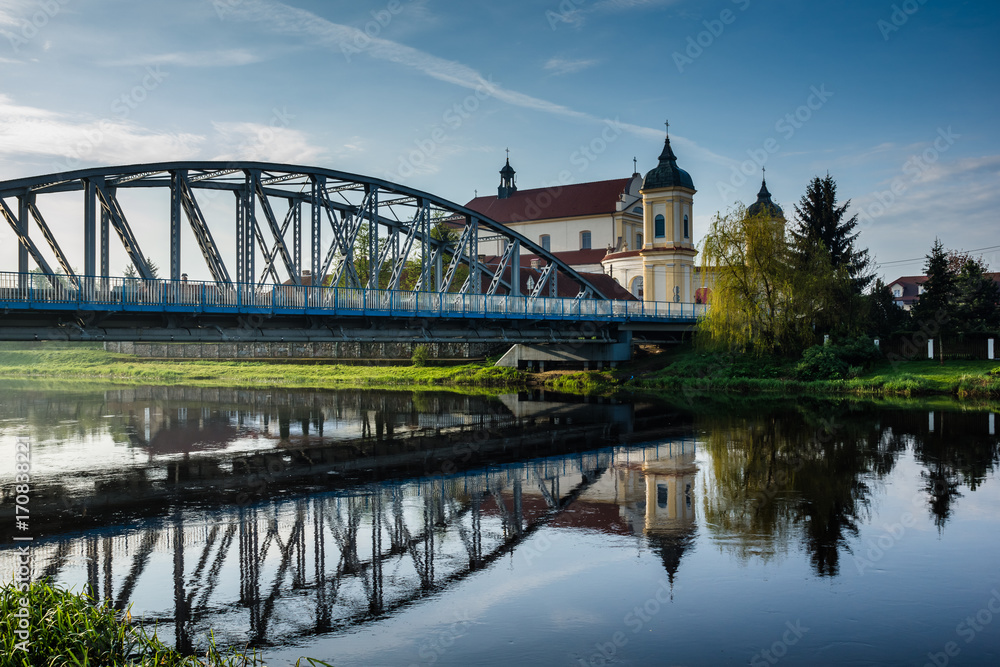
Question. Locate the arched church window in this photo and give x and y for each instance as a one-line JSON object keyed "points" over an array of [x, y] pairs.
{"points": [[636, 287], [659, 227], [638, 241], [687, 228], [584, 240], [546, 242]]}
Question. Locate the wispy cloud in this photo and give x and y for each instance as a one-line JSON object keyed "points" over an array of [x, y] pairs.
{"points": [[299, 23], [577, 16], [12, 11], [72, 141], [223, 58], [265, 143], [558, 66]]}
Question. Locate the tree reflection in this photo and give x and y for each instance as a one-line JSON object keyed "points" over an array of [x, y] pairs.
{"points": [[957, 450], [779, 472]]}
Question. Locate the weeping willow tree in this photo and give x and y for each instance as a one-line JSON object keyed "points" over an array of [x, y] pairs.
{"points": [[759, 302]]}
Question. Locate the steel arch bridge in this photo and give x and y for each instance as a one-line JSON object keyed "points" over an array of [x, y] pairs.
{"points": [[310, 245]]}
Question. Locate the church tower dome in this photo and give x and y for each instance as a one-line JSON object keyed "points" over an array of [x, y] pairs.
{"points": [[764, 205], [668, 250], [507, 184], [667, 174]]}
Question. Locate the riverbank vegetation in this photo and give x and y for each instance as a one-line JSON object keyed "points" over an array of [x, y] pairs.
{"points": [[782, 287], [96, 364], [69, 629]]}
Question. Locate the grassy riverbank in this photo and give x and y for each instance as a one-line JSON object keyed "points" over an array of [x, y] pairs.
{"points": [[51, 625], [96, 364], [681, 369], [693, 372]]}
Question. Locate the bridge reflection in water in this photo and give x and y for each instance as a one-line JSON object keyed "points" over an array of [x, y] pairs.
{"points": [[344, 531]]}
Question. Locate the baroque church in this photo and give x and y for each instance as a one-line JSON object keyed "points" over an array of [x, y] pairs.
{"points": [[636, 230]]}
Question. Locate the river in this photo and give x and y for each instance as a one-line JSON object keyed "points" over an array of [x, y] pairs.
{"points": [[419, 528]]}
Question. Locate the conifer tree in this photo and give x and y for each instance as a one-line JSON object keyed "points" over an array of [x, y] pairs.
{"points": [[821, 227]]}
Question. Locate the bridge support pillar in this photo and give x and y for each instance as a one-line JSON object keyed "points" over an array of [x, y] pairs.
{"points": [[585, 355]]}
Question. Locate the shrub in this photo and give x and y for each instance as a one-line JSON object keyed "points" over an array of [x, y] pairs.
{"points": [[833, 362], [421, 353], [821, 363]]}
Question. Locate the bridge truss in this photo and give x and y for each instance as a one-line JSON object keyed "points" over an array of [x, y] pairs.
{"points": [[288, 224], [292, 253]]}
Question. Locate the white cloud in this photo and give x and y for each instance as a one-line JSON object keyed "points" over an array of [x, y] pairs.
{"points": [[74, 141], [264, 143], [223, 58], [352, 43], [563, 66], [12, 12]]}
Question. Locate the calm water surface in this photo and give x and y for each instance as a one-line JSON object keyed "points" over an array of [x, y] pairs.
{"points": [[398, 528]]}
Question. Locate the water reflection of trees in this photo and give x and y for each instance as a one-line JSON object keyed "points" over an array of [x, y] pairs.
{"points": [[813, 472], [957, 450]]}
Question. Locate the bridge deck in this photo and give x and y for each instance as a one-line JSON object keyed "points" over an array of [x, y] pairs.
{"points": [[21, 292]]}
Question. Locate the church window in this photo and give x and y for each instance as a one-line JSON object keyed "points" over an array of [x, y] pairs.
{"points": [[687, 228], [638, 241], [546, 242], [662, 495], [636, 287], [659, 227], [637, 209], [585, 240]]}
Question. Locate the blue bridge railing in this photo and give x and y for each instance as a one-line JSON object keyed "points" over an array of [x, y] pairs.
{"points": [[36, 292]]}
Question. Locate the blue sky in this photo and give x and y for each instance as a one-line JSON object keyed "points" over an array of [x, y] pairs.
{"points": [[896, 100]]}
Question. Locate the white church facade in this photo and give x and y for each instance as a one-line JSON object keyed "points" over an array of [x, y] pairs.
{"points": [[637, 230]]}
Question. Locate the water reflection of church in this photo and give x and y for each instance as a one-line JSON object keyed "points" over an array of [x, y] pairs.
{"points": [[647, 491]]}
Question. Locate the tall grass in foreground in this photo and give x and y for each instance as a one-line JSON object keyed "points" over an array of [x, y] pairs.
{"points": [[70, 629]]}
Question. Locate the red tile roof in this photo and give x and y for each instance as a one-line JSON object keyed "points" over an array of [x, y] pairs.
{"points": [[567, 201], [911, 289], [573, 257]]}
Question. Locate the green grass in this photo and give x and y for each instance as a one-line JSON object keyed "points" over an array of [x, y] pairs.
{"points": [[698, 372], [96, 364], [68, 629], [586, 382]]}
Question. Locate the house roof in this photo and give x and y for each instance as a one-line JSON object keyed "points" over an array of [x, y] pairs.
{"points": [[911, 287], [567, 201], [574, 257], [567, 289]]}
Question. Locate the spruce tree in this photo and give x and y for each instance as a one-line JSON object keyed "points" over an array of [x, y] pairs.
{"points": [[820, 226]]}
